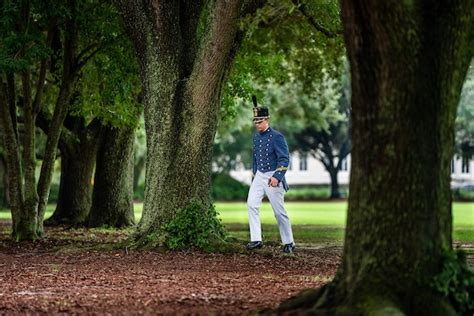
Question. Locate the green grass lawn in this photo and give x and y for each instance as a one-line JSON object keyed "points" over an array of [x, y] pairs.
{"points": [[316, 213], [322, 222], [312, 221]]}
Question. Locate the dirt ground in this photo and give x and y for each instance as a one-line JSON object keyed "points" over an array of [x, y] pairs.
{"points": [[66, 274]]}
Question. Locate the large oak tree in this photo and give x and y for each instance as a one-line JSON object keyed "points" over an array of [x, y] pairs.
{"points": [[185, 49], [408, 62]]}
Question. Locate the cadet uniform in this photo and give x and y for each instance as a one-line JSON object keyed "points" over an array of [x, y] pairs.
{"points": [[270, 159]]}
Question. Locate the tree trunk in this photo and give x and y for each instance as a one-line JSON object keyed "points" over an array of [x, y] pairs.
{"points": [[22, 190], [61, 206], [75, 188], [30, 204], [4, 202], [183, 69], [54, 133], [408, 62], [112, 197], [9, 134], [335, 193]]}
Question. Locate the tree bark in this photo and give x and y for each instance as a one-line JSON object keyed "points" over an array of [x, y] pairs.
{"points": [[75, 188], [4, 202], [408, 61], [183, 69], [26, 228], [26, 197], [44, 183], [13, 158], [112, 197], [69, 76]]}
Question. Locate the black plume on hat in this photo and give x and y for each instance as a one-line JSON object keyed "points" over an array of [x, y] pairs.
{"points": [[259, 112]]}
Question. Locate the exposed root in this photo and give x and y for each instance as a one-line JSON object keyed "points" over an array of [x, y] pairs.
{"points": [[327, 301]]}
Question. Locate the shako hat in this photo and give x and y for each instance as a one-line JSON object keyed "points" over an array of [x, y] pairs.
{"points": [[258, 111]]}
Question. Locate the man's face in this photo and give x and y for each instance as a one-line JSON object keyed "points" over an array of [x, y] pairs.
{"points": [[261, 124]]}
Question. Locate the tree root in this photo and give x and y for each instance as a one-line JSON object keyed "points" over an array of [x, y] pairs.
{"points": [[326, 301], [309, 302]]}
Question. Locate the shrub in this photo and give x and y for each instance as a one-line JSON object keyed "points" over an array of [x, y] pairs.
{"points": [[226, 188], [194, 226], [463, 194], [139, 192], [311, 193], [456, 281], [307, 193]]}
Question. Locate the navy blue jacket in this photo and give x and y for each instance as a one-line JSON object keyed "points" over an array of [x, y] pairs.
{"points": [[270, 153]]}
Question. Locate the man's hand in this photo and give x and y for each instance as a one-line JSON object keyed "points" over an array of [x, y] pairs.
{"points": [[273, 182]]}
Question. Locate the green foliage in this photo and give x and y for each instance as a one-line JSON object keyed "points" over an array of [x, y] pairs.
{"points": [[282, 44], [307, 194], [23, 39], [109, 86], [291, 66], [463, 194], [194, 226], [226, 188], [291, 109], [282, 37], [456, 281], [310, 193], [139, 192]]}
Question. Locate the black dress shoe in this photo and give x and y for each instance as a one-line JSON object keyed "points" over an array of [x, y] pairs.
{"points": [[289, 248], [254, 245]]}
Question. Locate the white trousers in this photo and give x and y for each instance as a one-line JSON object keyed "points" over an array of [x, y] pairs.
{"points": [[258, 189]]}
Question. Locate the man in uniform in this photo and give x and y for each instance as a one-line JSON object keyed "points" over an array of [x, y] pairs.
{"points": [[270, 162]]}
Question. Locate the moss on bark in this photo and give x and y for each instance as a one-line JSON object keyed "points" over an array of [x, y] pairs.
{"points": [[112, 197], [182, 72], [75, 188], [407, 68]]}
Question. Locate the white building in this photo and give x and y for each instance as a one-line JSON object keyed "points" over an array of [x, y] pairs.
{"points": [[307, 170], [462, 170]]}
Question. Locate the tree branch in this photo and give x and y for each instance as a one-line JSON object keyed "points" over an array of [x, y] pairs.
{"points": [[219, 46], [91, 47], [189, 22], [318, 26], [70, 43], [12, 150], [85, 59], [324, 160], [11, 99], [42, 76]]}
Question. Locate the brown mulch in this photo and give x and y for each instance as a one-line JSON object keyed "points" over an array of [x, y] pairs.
{"points": [[63, 274]]}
